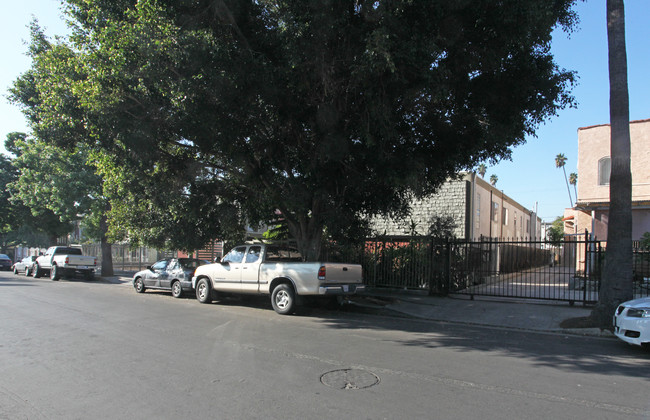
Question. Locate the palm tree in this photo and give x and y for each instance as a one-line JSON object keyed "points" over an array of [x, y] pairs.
{"points": [[493, 179], [482, 169], [573, 180], [560, 161], [616, 284]]}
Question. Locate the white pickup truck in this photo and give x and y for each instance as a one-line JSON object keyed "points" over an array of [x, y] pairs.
{"points": [[62, 261], [277, 271]]}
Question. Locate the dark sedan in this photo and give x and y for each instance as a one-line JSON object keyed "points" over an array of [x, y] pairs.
{"points": [[174, 274], [25, 265], [6, 263]]}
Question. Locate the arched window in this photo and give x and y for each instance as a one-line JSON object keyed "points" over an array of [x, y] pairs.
{"points": [[604, 169]]}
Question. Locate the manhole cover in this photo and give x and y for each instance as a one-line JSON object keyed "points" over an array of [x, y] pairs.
{"points": [[349, 379]]}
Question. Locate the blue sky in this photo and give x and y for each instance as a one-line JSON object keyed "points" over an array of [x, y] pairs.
{"points": [[531, 177]]}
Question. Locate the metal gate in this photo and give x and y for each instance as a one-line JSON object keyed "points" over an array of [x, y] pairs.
{"points": [[566, 271]]}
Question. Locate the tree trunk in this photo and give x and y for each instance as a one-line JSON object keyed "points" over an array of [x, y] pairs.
{"points": [[107, 254], [567, 187], [617, 274], [308, 233]]}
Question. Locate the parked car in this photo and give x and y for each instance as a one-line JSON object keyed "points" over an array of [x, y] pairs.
{"points": [[279, 272], [24, 265], [632, 321], [174, 274], [5, 262]]}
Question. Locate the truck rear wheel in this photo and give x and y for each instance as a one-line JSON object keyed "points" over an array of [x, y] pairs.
{"points": [[204, 291], [55, 273], [283, 299]]}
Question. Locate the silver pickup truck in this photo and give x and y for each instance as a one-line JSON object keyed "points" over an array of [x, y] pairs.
{"points": [[62, 261], [277, 271]]}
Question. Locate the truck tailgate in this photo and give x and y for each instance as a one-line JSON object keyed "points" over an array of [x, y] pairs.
{"points": [[343, 273], [80, 260]]}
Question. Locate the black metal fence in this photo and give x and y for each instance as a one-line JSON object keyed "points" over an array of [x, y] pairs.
{"points": [[128, 258], [641, 264], [565, 271]]}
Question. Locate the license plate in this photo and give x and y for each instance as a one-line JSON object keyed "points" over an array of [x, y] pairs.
{"points": [[346, 288], [82, 267]]}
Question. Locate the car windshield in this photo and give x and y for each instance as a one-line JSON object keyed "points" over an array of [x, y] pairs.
{"points": [[4, 257]]}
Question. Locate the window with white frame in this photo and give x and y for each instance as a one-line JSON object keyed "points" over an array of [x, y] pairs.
{"points": [[604, 170]]}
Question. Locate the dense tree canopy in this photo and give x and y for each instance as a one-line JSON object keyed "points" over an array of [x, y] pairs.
{"points": [[20, 224], [214, 112], [54, 165]]}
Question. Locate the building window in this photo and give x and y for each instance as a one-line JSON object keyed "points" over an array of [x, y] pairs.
{"points": [[604, 169], [495, 211], [505, 216]]}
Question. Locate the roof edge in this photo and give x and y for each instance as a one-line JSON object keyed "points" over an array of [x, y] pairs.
{"points": [[607, 125]]}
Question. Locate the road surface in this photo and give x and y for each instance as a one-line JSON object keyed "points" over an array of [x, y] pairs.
{"points": [[75, 349]]}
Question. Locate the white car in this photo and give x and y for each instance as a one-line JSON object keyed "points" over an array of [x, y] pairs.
{"points": [[632, 321]]}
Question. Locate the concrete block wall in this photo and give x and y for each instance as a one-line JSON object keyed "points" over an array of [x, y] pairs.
{"points": [[450, 200]]}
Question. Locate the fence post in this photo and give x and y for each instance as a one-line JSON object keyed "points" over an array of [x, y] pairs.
{"points": [[447, 268], [431, 266]]}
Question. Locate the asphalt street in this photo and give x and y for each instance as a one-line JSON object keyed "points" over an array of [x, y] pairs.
{"points": [[77, 349]]}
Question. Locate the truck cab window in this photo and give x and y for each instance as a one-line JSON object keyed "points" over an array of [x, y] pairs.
{"points": [[253, 254]]}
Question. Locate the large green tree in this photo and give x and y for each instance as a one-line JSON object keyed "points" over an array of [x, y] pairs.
{"points": [[54, 169], [61, 181], [55, 164], [325, 111], [19, 224], [617, 274]]}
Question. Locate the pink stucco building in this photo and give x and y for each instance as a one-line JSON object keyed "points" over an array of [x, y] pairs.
{"points": [[592, 207]]}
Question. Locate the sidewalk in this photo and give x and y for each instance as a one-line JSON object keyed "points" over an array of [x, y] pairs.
{"points": [[519, 314], [525, 315]]}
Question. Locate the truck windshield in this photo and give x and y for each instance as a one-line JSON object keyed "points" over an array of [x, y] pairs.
{"points": [[236, 255]]}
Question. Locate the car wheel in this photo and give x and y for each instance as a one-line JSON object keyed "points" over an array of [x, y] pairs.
{"points": [[283, 299], [204, 291], [138, 285], [55, 273], [15, 270], [27, 272], [37, 271], [177, 291]]}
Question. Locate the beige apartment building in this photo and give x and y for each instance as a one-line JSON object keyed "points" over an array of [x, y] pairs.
{"points": [[479, 209], [592, 207]]}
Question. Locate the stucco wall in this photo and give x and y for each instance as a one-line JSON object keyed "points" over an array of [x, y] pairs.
{"points": [[593, 145]]}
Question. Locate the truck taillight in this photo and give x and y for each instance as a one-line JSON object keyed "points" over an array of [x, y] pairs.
{"points": [[321, 273], [95, 261], [67, 260]]}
